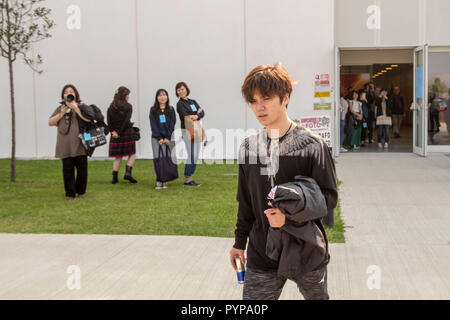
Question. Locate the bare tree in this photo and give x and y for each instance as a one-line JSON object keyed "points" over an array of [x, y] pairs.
{"points": [[22, 23]]}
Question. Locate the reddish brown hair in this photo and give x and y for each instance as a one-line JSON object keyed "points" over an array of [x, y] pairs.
{"points": [[182, 84], [120, 96], [269, 81]]}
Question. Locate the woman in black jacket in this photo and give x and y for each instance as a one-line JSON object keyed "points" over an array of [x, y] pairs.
{"points": [[162, 122], [189, 107], [122, 143]]}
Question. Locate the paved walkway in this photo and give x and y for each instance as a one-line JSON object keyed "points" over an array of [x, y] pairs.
{"points": [[397, 207]]}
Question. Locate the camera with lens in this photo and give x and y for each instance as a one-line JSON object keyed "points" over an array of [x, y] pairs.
{"points": [[69, 98]]}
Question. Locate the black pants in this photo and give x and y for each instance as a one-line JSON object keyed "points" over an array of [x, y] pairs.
{"points": [[434, 118], [370, 127], [267, 285], [364, 132], [75, 186]]}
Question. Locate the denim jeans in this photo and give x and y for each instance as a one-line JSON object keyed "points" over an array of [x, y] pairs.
{"points": [[193, 150], [383, 129]]}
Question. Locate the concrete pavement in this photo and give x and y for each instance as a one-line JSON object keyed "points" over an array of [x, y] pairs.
{"points": [[396, 207]]}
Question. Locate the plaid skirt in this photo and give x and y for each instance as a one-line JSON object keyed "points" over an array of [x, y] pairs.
{"points": [[123, 146]]}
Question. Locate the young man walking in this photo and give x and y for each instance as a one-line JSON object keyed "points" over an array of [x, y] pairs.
{"points": [[273, 156]]}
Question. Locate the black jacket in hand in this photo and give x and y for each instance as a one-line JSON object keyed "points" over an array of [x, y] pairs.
{"points": [[300, 245]]}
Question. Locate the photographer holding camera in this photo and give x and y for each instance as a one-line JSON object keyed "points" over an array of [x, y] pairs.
{"points": [[68, 118]]}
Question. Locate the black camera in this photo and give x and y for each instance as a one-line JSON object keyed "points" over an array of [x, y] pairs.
{"points": [[69, 98]]}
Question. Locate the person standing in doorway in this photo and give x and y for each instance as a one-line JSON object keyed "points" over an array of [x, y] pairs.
{"points": [[190, 108], [397, 103], [343, 109], [162, 122], [384, 121], [377, 92], [267, 89], [122, 143], [68, 118], [365, 108], [371, 119], [356, 118], [348, 96]]}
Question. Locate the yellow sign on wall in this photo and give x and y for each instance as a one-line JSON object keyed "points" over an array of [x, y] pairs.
{"points": [[322, 92]]}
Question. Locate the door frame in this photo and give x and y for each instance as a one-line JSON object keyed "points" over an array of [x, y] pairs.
{"points": [[337, 98], [436, 148], [422, 151], [337, 74]]}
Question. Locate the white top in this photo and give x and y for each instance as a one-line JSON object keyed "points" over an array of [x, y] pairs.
{"points": [[356, 106]]}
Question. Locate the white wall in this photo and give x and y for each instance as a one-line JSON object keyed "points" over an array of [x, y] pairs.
{"points": [[209, 44], [403, 23], [299, 34], [201, 43]]}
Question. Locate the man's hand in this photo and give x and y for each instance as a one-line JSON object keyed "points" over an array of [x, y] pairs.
{"points": [[194, 118], [276, 218], [236, 252], [166, 141], [161, 141], [114, 134]]}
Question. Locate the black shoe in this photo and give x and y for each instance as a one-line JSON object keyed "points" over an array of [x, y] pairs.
{"points": [[128, 175], [114, 179], [192, 183]]}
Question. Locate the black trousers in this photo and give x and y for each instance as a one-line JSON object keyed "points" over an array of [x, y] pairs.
{"points": [[370, 127], [75, 186], [434, 118]]}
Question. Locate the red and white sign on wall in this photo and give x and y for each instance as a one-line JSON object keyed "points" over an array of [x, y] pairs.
{"points": [[322, 92], [319, 125]]}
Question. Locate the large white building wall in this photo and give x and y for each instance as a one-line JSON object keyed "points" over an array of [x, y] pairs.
{"points": [[146, 45], [301, 35]]}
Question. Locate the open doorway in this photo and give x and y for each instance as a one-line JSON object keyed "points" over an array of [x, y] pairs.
{"points": [[390, 69]]}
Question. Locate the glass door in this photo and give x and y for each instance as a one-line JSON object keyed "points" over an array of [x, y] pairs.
{"points": [[420, 104], [337, 114]]}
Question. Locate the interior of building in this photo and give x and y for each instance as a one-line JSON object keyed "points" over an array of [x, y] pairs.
{"points": [[386, 68]]}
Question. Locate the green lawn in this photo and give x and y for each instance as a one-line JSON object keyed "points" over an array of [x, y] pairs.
{"points": [[35, 203]]}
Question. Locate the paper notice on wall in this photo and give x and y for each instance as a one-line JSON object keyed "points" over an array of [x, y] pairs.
{"points": [[322, 92], [319, 125]]}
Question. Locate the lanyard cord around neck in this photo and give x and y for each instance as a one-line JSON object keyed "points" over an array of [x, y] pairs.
{"points": [[270, 147]]}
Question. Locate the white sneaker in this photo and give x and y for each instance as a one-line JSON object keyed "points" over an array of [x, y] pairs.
{"points": [[159, 185], [342, 150], [386, 145], [164, 185], [380, 145]]}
